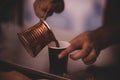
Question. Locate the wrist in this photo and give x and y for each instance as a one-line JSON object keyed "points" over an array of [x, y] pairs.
{"points": [[101, 37], [107, 35]]}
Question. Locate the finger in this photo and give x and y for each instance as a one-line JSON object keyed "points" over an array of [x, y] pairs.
{"points": [[50, 13], [41, 8], [59, 6], [66, 52], [91, 58], [80, 54], [39, 12]]}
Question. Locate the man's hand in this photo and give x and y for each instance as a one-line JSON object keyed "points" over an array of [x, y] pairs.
{"points": [[92, 42], [13, 75], [41, 6], [88, 45]]}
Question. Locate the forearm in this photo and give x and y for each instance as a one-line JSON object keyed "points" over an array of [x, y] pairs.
{"points": [[108, 35]]}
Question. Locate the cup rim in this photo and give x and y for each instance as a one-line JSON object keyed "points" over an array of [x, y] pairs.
{"points": [[66, 44]]}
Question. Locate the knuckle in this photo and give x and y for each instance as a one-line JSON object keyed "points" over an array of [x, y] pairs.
{"points": [[89, 61], [74, 57]]}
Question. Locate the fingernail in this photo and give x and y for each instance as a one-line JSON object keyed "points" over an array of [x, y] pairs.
{"points": [[60, 56]]}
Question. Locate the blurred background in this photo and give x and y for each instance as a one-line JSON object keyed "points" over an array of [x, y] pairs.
{"points": [[78, 16]]}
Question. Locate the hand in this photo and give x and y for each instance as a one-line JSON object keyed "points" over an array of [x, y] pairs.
{"points": [[13, 75], [88, 45], [41, 6]]}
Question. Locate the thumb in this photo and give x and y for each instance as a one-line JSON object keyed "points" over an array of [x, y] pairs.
{"points": [[58, 5]]}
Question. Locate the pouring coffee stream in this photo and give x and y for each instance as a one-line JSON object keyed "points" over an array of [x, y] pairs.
{"points": [[55, 40]]}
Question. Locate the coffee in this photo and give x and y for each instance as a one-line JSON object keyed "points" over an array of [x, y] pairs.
{"points": [[54, 39]]}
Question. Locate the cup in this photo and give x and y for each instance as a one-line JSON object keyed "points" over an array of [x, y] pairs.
{"points": [[57, 66]]}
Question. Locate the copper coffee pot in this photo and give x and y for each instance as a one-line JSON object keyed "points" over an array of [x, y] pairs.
{"points": [[35, 38]]}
